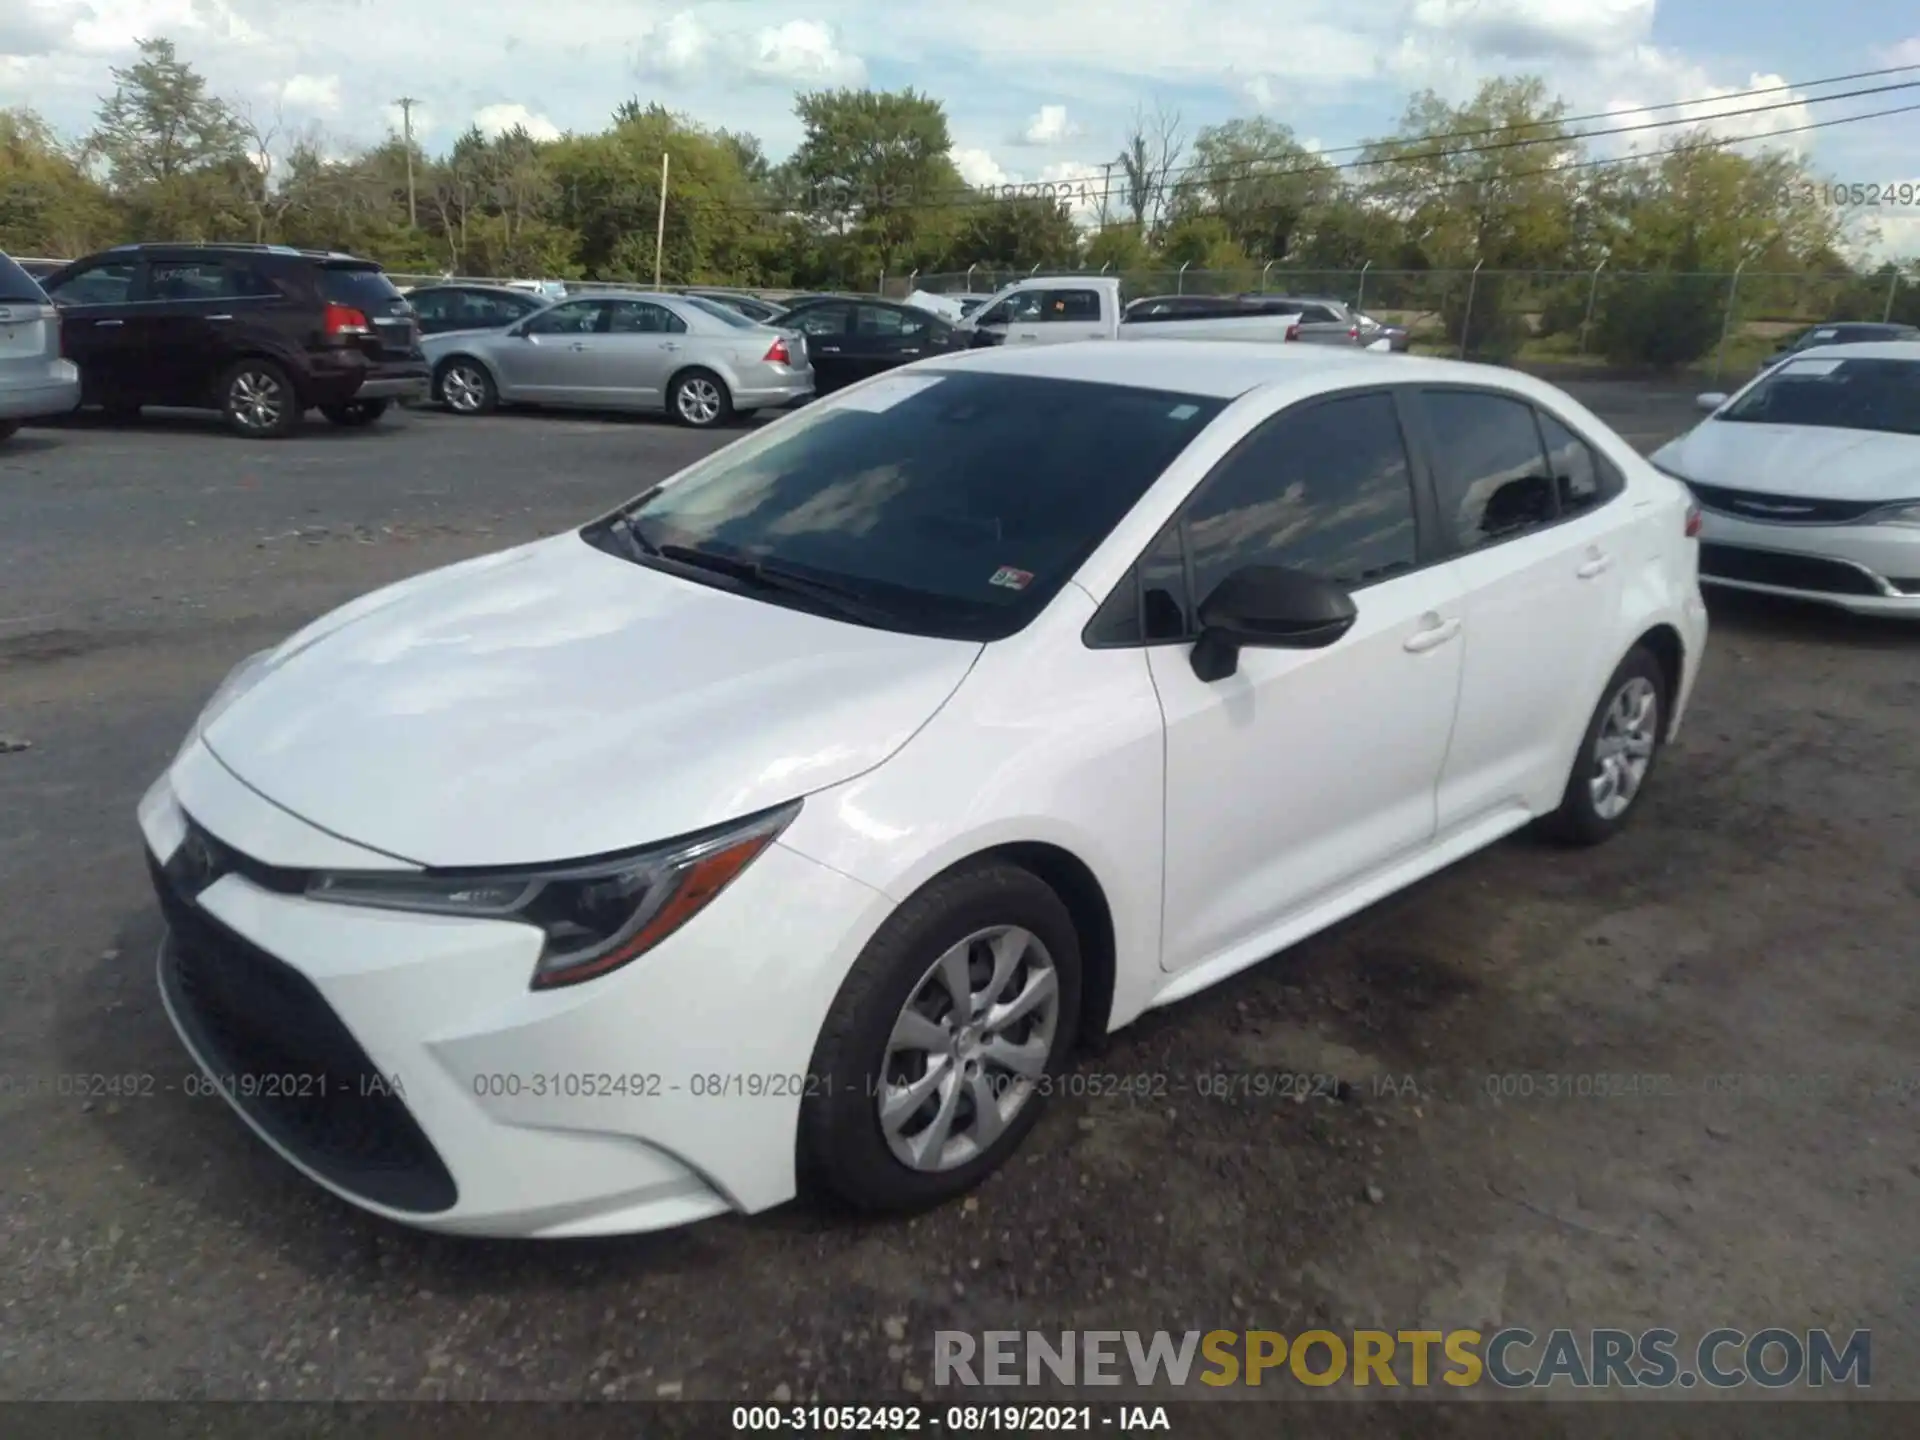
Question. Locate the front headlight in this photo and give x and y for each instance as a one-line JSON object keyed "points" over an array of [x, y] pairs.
{"points": [[597, 915]]}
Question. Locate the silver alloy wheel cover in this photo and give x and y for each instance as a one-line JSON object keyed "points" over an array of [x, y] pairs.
{"points": [[1624, 748], [463, 388], [254, 399], [698, 400], [980, 1023]]}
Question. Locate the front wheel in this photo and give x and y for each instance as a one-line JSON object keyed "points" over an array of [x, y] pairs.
{"points": [[1616, 755], [699, 398], [259, 401], [943, 1042]]}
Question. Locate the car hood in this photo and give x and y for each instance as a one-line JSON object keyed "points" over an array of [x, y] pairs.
{"points": [[1803, 460], [555, 702]]}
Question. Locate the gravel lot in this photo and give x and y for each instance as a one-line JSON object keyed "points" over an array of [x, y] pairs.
{"points": [[1757, 921]]}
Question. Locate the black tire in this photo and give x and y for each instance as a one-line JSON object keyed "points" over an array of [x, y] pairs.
{"points": [[843, 1153], [258, 400], [1580, 820], [699, 399], [122, 414], [474, 391], [8, 429], [355, 412]]}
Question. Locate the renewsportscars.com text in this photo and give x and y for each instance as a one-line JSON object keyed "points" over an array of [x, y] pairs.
{"points": [[1512, 1358]]}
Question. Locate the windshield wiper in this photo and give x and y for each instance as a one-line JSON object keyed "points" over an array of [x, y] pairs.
{"points": [[757, 573]]}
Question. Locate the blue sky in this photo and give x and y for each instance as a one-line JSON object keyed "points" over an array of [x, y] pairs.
{"points": [[1031, 92]]}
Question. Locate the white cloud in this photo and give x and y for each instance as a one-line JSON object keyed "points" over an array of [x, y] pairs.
{"points": [[804, 52], [499, 119], [676, 46], [40, 27], [1049, 126], [1537, 29], [1691, 97], [977, 167], [311, 92], [1907, 52]]}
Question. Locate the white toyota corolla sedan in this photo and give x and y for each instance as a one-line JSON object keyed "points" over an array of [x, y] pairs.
{"points": [[783, 829], [1809, 479]]}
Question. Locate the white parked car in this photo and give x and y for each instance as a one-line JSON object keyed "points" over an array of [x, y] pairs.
{"points": [[1061, 310], [1809, 479], [797, 817]]}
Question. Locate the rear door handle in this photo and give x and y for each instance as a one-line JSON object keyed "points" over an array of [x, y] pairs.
{"points": [[670, 345], [108, 324], [578, 345], [1433, 636], [827, 349], [1598, 565], [219, 317], [909, 352]]}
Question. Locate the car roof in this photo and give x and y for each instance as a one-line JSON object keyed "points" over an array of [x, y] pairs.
{"points": [[480, 285], [1864, 350], [1225, 369]]}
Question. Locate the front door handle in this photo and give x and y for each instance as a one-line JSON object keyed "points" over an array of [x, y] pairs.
{"points": [[219, 317], [827, 349], [909, 352], [108, 324], [1596, 565], [1434, 635], [670, 345], [578, 345]]}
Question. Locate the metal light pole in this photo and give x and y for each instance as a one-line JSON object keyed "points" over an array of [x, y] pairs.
{"points": [[1893, 284], [1180, 280], [1360, 300], [1593, 293], [1726, 324], [1263, 276], [1466, 320]]}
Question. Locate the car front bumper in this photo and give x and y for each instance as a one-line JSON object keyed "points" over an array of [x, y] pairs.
{"points": [[1866, 569], [403, 1062], [55, 394]]}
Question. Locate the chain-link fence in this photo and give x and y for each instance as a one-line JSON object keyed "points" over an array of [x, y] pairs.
{"points": [[1661, 319], [1715, 321]]}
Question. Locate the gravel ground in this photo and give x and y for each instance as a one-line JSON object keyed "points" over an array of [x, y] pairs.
{"points": [[1757, 922]]}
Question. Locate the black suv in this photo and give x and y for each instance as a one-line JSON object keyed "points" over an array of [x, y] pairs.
{"points": [[261, 333]]}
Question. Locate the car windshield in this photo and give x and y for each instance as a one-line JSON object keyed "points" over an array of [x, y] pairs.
{"points": [[1858, 394], [951, 503], [17, 286], [722, 312]]}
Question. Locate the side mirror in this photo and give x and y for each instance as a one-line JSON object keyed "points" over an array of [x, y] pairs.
{"points": [[1711, 401], [1272, 607]]}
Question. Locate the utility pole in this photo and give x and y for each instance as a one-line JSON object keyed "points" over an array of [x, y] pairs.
{"points": [[406, 104], [1106, 190], [660, 231]]}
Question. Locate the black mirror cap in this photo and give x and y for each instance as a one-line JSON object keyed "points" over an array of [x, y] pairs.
{"points": [[1272, 605]]}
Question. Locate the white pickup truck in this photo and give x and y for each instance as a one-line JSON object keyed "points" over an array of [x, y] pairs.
{"points": [[1052, 310]]}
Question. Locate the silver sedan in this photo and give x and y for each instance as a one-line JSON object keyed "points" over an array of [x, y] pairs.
{"points": [[627, 350]]}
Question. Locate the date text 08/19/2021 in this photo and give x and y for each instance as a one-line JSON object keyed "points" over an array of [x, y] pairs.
{"points": [[947, 1420], [1143, 1086]]}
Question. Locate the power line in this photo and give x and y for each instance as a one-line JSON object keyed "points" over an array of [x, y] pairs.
{"points": [[1106, 190]]}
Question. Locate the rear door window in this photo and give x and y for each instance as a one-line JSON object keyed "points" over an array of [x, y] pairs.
{"points": [[17, 287], [110, 283]]}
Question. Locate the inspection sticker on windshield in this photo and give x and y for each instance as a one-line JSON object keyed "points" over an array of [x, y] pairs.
{"points": [[1183, 412], [1009, 578], [887, 393], [1814, 367]]}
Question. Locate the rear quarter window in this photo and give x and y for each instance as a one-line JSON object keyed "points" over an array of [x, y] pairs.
{"points": [[18, 287], [359, 286]]}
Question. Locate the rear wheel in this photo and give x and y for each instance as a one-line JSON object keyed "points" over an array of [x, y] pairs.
{"points": [[1616, 753], [259, 400], [942, 1040], [699, 398], [355, 412], [465, 387]]}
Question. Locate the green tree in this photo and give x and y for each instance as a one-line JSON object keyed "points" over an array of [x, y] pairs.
{"points": [[1015, 232], [873, 166], [1262, 183], [160, 124], [49, 204]]}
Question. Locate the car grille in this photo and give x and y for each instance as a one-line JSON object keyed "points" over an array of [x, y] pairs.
{"points": [[287, 1060], [1789, 572], [1783, 509]]}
